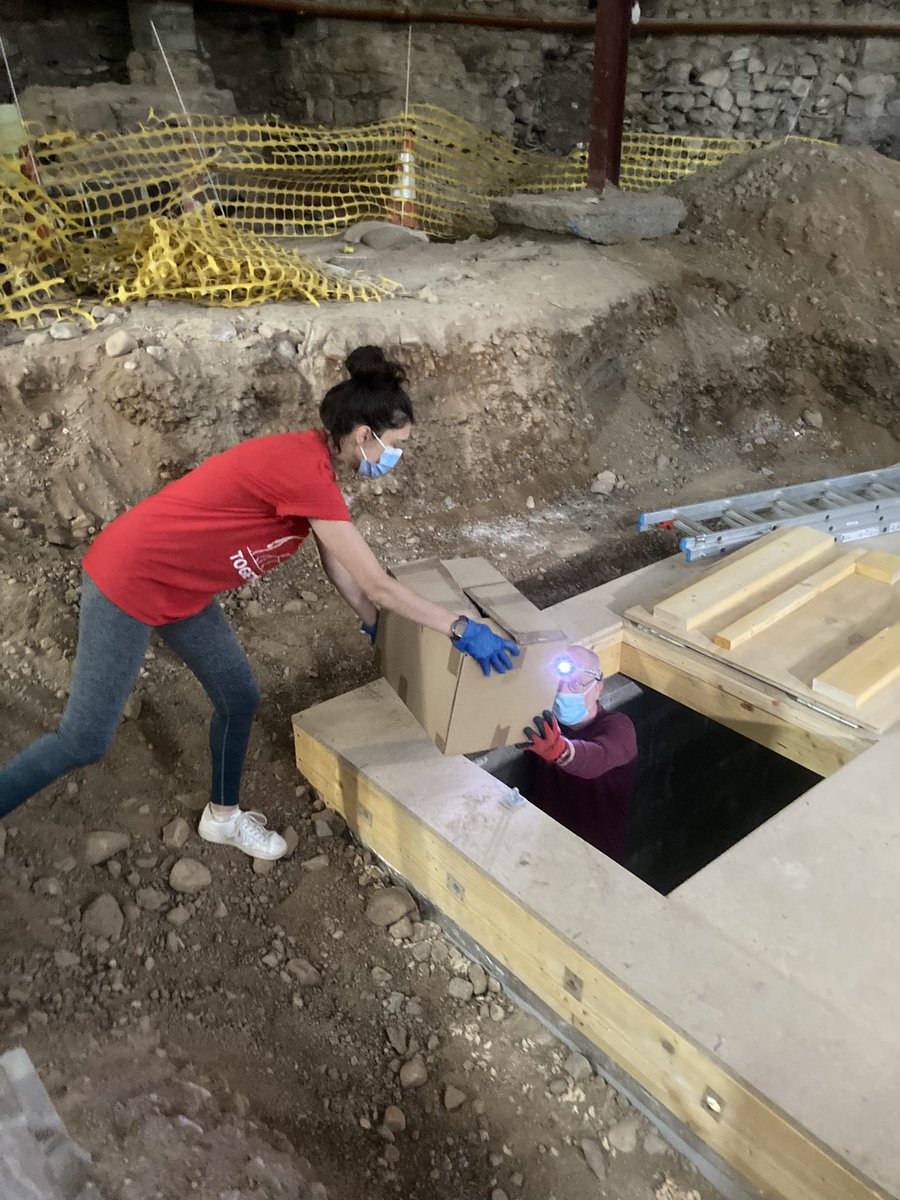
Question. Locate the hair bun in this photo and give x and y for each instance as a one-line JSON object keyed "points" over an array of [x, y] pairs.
{"points": [[369, 363]]}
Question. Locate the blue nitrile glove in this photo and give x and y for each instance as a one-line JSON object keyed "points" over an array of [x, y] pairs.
{"points": [[487, 648], [370, 630]]}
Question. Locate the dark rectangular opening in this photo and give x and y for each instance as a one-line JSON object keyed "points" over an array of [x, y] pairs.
{"points": [[700, 787]]}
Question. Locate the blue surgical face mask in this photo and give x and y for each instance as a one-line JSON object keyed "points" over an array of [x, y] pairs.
{"points": [[390, 456], [570, 708]]}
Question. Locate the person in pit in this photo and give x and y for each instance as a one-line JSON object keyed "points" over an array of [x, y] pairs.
{"points": [[587, 757], [159, 566]]}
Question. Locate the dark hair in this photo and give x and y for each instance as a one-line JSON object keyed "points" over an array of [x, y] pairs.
{"points": [[373, 396]]}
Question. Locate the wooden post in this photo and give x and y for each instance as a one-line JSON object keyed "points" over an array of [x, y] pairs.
{"points": [[612, 31]]}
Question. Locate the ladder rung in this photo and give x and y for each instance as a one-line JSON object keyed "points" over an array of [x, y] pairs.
{"points": [[694, 528], [841, 498], [794, 508], [740, 516]]}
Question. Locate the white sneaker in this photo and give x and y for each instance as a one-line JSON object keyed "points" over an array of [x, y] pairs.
{"points": [[246, 831]]}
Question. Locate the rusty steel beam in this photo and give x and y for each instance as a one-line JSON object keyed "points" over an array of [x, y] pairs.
{"points": [[583, 25], [611, 35]]}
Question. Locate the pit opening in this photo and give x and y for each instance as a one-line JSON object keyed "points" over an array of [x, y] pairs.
{"points": [[700, 787]]}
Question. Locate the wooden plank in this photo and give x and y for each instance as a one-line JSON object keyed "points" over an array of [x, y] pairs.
{"points": [[795, 597], [752, 709], [738, 580], [878, 565], [731, 1117], [857, 677]]}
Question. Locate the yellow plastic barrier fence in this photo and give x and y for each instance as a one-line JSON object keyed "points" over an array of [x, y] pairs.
{"points": [[199, 207]]}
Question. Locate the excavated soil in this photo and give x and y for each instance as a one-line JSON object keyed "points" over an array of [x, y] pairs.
{"points": [[757, 347]]}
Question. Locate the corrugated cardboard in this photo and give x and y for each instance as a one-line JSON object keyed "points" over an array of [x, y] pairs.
{"points": [[446, 692]]}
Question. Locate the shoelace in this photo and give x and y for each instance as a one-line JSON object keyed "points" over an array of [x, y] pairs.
{"points": [[251, 826]]}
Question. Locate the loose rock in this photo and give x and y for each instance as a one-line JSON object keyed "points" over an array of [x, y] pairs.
{"points": [[49, 885], [460, 989], [119, 343], [103, 844], [478, 978], [388, 905], [623, 1137], [64, 331], [654, 1144], [594, 1157], [402, 930], [453, 1097], [414, 1073], [178, 916], [604, 483], [292, 837], [396, 1035], [103, 918], [578, 1067], [394, 1119], [303, 971], [65, 959], [150, 899], [176, 833], [189, 876]]}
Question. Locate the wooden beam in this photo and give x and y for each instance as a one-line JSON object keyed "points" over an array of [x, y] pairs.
{"points": [[857, 677], [878, 565], [741, 578], [795, 597], [739, 1124], [748, 707]]}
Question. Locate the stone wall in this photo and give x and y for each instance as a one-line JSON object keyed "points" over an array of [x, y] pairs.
{"points": [[64, 43], [835, 88], [89, 66], [535, 87]]}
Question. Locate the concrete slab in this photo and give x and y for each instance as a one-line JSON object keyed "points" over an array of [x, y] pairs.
{"points": [[612, 217]]}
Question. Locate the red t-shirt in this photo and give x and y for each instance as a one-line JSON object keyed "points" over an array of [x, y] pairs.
{"points": [[227, 522]]}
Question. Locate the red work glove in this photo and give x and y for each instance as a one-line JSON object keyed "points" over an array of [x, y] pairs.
{"points": [[545, 739]]}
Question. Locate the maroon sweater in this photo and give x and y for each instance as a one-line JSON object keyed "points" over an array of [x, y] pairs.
{"points": [[591, 796]]}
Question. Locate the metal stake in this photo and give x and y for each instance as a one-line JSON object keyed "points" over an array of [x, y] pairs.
{"points": [[184, 110]]}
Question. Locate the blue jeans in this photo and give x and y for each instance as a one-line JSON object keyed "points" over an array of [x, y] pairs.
{"points": [[111, 649]]}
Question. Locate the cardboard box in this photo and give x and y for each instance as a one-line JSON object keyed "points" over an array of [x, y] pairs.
{"points": [[446, 692]]}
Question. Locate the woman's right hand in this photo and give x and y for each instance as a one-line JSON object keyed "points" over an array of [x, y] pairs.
{"points": [[486, 647]]}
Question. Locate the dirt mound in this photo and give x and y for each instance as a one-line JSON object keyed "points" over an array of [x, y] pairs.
{"points": [[836, 207]]}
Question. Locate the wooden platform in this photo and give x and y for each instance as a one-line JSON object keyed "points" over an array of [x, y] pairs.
{"points": [[758, 1002]]}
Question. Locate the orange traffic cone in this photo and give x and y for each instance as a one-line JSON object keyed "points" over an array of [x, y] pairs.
{"points": [[402, 205]]}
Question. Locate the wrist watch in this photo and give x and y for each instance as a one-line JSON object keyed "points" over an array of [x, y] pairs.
{"points": [[458, 628]]}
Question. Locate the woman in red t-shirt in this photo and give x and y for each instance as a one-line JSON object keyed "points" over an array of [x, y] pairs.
{"points": [[235, 517]]}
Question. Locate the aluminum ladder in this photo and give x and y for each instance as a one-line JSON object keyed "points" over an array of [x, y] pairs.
{"points": [[850, 507]]}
